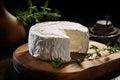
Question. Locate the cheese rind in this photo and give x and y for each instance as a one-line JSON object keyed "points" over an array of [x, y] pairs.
{"points": [[55, 40]]}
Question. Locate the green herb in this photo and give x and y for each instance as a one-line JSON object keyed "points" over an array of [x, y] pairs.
{"points": [[96, 51], [113, 49], [110, 49], [32, 15], [74, 60], [57, 62]]}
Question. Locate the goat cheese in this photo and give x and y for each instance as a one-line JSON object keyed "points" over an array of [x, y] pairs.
{"points": [[56, 39]]}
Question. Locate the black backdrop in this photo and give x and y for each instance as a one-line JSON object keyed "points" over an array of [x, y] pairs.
{"points": [[83, 11]]}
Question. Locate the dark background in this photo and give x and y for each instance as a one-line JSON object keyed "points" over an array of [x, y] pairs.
{"points": [[86, 12], [82, 11]]}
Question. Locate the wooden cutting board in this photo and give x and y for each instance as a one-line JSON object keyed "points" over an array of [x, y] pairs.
{"points": [[24, 63]]}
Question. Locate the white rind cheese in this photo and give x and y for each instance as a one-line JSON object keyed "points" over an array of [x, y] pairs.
{"points": [[56, 39]]}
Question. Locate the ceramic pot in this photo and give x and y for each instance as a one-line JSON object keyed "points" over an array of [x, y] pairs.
{"points": [[104, 33], [12, 31]]}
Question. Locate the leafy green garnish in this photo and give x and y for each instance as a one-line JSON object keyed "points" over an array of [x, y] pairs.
{"points": [[110, 49], [113, 49], [33, 15], [57, 62], [96, 49]]}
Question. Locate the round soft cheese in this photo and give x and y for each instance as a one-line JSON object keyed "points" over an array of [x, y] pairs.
{"points": [[54, 40]]}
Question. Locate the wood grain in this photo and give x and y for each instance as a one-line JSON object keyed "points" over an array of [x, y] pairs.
{"points": [[23, 62]]}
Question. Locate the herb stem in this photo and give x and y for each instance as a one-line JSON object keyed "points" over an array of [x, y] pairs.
{"points": [[97, 50]]}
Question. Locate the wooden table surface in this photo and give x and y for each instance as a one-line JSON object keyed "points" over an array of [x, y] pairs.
{"points": [[7, 72]]}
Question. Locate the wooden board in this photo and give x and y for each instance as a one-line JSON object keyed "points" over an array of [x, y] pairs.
{"points": [[24, 63]]}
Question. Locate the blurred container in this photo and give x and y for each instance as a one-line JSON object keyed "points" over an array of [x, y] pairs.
{"points": [[12, 32], [104, 31]]}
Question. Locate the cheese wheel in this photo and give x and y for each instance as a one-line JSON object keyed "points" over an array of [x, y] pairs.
{"points": [[54, 40]]}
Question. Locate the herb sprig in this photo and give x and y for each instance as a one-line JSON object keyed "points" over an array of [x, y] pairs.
{"points": [[109, 48], [57, 63], [33, 15], [113, 49]]}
